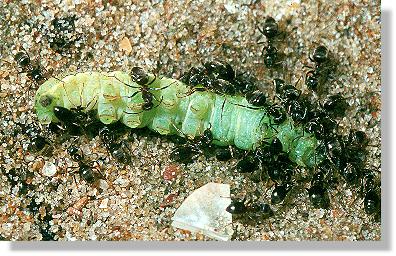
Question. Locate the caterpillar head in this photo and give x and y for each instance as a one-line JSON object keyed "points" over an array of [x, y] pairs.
{"points": [[45, 101]]}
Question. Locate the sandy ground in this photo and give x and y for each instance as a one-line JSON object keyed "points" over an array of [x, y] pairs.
{"points": [[135, 201]]}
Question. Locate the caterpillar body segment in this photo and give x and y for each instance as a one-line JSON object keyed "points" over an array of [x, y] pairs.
{"points": [[177, 109]]}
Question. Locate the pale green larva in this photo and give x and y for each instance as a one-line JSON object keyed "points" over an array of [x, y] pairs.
{"points": [[177, 109]]}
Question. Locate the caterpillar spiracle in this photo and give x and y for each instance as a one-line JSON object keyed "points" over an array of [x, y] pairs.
{"points": [[178, 109]]}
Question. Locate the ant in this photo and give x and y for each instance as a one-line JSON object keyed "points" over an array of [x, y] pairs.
{"points": [[253, 160], [320, 124], [318, 194], [254, 211], [319, 74], [280, 192], [187, 152], [120, 151], [69, 120], [281, 169], [85, 171], [39, 143], [196, 76], [224, 154], [140, 77], [278, 114], [219, 70], [336, 105], [248, 164], [244, 83], [219, 77], [33, 71], [215, 76], [256, 98], [289, 96], [63, 34], [286, 92], [270, 31], [372, 201]]}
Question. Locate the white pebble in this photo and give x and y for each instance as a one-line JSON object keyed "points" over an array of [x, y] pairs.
{"points": [[104, 203], [231, 8], [49, 169]]}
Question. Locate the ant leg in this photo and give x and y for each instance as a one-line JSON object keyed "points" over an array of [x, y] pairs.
{"points": [[131, 86], [133, 95], [161, 88], [98, 169], [159, 102], [259, 29], [273, 128], [222, 108]]}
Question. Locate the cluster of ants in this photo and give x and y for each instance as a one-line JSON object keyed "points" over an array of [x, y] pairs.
{"points": [[345, 156]]}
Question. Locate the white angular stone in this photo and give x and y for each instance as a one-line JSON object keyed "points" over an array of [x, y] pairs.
{"points": [[205, 211]]}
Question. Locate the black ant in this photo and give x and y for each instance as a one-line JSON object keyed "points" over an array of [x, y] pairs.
{"points": [[278, 114], [318, 194], [281, 169], [320, 124], [219, 70], [280, 192], [269, 154], [196, 76], [270, 31], [119, 151], [85, 171], [187, 152], [336, 105], [223, 154], [255, 211], [319, 74], [286, 92], [248, 164], [63, 34], [71, 120], [39, 143], [256, 98], [140, 77], [215, 76], [372, 201], [33, 71], [298, 110], [244, 83], [290, 95], [350, 157], [219, 77]]}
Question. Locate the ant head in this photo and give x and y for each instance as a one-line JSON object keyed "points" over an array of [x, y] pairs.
{"points": [[22, 59], [358, 138], [237, 207], [270, 28], [64, 25], [36, 74], [320, 54], [139, 76], [279, 84]]}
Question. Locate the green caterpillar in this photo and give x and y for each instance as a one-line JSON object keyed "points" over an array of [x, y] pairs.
{"points": [[178, 109]]}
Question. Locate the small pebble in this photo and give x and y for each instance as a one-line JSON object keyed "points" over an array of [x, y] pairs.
{"points": [[49, 169], [125, 45], [104, 203]]}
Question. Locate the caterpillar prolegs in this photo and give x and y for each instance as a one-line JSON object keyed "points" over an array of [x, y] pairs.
{"points": [[177, 109]]}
